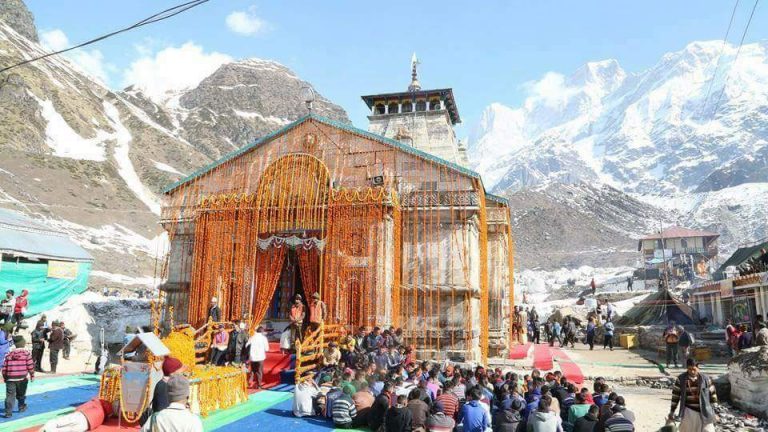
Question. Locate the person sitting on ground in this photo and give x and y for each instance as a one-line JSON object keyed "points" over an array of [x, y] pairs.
{"points": [[568, 402], [621, 419], [418, 408], [331, 355], [398, 418], [587, 395], [449, 400], [544, 420], [508, 419], [762, 335], [304, 396], [555, 405], [473, 416], [745, 340], [381, 404], [363, 400], [602, 397], [177, 417], [588, 422], [438, 421], [578, 409], [606, 410], [343, 409]]}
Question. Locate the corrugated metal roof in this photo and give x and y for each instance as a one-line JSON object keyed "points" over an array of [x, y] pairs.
{"points": [[261, 141], [680, 232], [22, 236]]}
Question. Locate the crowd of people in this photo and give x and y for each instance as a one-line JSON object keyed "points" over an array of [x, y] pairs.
{"points": [[566, 331], [371, 380], [743, 336]]}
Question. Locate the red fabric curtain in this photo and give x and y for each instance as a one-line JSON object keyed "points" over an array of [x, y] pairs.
{"points": [[269, 266], [309, 268]]}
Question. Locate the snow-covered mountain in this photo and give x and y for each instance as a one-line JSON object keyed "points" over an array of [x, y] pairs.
{"points": [[92, 161], [689, 135]]}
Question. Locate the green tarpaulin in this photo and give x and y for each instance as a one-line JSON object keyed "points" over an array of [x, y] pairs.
{"points": [[44, 293]]}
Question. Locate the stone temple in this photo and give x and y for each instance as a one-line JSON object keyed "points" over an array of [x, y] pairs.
{"points": [[389, 226]]}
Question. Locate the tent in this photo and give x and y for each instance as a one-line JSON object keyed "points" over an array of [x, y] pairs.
{"points": [[659, 308], [739, 257], [42, 260]]}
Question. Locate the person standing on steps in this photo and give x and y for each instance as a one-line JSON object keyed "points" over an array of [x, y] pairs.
{"points": [[214, 312], [297, 319], [317, 312], [55, 344], [258, 347]]}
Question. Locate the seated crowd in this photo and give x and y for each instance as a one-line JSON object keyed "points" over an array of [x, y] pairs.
{"points": [[371, 381]]}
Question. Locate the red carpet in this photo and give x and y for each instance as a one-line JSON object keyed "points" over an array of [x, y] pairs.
{"points": [[519, 352], [542, 357], [570, 369], [275, 363]]}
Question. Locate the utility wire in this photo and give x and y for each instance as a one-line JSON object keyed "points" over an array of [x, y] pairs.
{"points": [[160, 16], [736, 57], [720, 56]]}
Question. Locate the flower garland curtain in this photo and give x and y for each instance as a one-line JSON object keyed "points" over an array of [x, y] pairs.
{"points": [[269, 266], [309, 269]]}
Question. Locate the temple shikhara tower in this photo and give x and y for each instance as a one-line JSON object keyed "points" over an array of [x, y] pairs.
{"points": [[388, 225]]}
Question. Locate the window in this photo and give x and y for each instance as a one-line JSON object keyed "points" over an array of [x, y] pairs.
{"points": [[393, 108], [379, 108], [684, 243], [407, 107], [434, 105], [429, 186], [421, 105]]}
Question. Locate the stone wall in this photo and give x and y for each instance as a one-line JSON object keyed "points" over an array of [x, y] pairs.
{"points": [[748, 374]]}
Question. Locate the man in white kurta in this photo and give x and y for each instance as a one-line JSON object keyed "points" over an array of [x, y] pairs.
{"points": [[257, 352]]}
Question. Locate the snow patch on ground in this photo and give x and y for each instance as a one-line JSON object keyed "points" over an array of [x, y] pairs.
{"points": [[537, 285], [65, 142], [113, 237], [124, 165], [254, 115], [167, 168], [146, 281], [85, 314]]}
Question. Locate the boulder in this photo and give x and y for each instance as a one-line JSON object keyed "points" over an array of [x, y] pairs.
{"points": [[748, 376]]}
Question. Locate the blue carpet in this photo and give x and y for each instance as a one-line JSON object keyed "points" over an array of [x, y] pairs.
{"points": [[279, 418], [54, 400]]}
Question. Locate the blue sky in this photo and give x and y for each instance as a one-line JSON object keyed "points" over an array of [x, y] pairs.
{"points": [[486, 50]]}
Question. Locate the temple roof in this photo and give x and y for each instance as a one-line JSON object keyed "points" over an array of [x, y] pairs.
{"points": [[333, 123], [446, 94]]}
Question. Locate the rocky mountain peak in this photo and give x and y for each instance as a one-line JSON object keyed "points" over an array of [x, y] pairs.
{"points": [[16, 15]]}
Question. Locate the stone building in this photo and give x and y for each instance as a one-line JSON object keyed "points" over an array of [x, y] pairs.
{"points": [[389, 226]]}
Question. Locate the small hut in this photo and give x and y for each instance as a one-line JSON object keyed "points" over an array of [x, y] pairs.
{"points": [[659, 308]]}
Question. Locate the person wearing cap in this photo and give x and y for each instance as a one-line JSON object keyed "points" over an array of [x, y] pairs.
{"points": [[237, 340], [17, 366], [508, 419], [177, 417], [317, 312], [55, 344], [38, 346], [160, 399], [331, 355], [297, 318], [304, 396], [214, 312], [258, 345]]}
